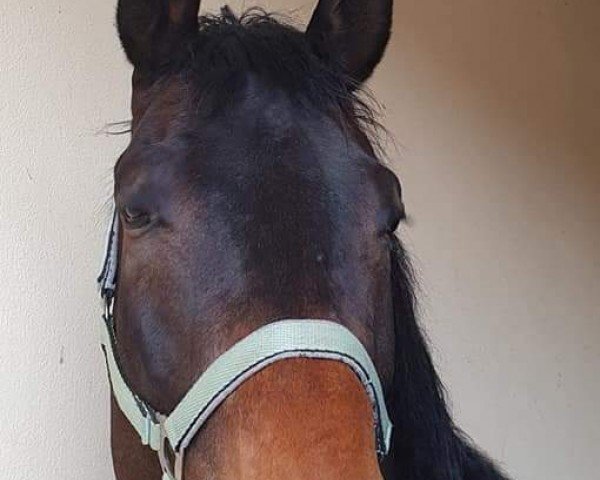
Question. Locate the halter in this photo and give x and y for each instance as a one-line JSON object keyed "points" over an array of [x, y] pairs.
{"points": [[170, 435]]}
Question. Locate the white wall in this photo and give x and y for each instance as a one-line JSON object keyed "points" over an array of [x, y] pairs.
{"points": [[494, 106]]}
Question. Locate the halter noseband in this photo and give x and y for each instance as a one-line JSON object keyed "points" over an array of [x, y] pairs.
{"points": [[282, 339]]}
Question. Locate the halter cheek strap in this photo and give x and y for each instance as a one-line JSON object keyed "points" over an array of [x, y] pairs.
{"points": [[107, 280], [279, 340]]}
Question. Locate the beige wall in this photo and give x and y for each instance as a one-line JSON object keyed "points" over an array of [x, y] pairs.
{"points": [[494, 105]]}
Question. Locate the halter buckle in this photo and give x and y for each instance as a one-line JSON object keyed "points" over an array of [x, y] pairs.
{"points": [[171, 461], [108, 308]]}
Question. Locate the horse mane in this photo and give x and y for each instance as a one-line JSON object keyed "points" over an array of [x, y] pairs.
{"points": [[426, 445], [228, 47]]}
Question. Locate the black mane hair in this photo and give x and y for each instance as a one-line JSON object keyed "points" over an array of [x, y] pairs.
{"points": [[426, 443], [228, 47]]}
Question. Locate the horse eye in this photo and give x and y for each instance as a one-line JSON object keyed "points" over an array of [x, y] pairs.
{"points": [[134, 218]]}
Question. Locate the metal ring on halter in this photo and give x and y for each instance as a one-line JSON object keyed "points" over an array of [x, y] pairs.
{"points": [[171, 462]]}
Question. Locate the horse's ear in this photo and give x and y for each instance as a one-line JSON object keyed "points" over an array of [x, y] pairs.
{"points": [[153, 31], [352, 34]]}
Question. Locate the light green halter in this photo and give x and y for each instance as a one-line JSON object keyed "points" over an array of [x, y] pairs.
{"points": [[279, 340]]}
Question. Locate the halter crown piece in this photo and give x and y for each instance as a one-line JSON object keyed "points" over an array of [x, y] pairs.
{"points": [[169, 435]]}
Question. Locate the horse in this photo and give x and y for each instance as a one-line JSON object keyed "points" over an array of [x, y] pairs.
{"points": [[252, 191]]}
